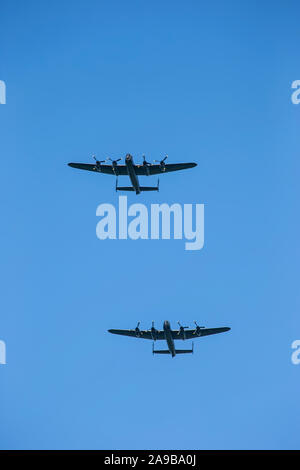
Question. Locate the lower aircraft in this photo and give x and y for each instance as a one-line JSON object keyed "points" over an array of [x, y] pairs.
{"points": [[170, 335], [132, 170]]}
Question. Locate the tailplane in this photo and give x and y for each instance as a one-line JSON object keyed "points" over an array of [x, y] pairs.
{"points": [[177, 351], [124, 188], [149, 188], [184, 351], [142, 188], [161, 351]]}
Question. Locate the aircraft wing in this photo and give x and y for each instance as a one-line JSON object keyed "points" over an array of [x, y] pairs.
{"points": [[106, 169], [191, 334], [144, 334], [157, 169], [139, 169]]}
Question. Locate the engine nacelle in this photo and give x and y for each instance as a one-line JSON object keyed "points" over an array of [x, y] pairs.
{"points": [[154, 334]]}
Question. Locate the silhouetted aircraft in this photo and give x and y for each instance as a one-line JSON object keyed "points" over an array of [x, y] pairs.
{"points": [[170, 335], [132, 170]]}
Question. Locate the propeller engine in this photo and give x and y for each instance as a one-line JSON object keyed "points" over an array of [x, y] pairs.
{"points": [[98, 163], [198, 329], [154, 332], [145, 163], [162, 163], [114, 162], [137, 330], [181, 331]]}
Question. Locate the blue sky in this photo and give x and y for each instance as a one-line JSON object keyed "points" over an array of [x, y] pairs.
{"points": [[202, 81]]}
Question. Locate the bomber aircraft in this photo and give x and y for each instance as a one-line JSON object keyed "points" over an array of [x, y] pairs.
{"points": [[132, 170], [170, 335]]}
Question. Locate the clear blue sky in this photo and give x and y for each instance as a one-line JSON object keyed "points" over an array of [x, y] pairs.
{"points": [[202, 81]]}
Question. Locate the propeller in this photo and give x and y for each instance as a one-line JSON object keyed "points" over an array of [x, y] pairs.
{"points": [[181, 329], [145, 163], [162, 162], [137, 329], [153, 331], [98, 162], [198, 328], [114, 162]]}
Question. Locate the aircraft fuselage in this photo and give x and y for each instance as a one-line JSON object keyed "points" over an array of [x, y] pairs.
{"points": [[132, 174], [169, 338]]}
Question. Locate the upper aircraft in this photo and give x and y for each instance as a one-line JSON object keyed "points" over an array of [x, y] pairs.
{"points": [[132, 170], [170, 335]]}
